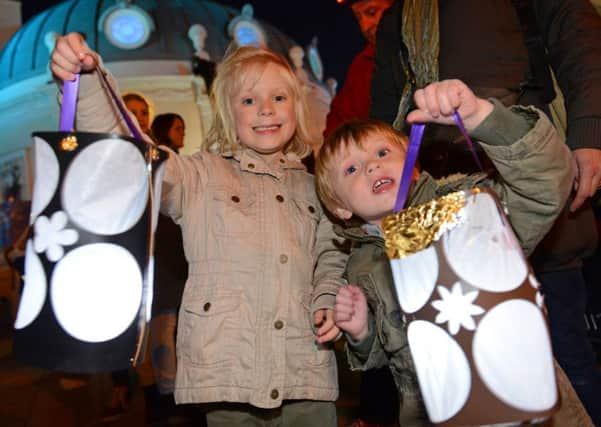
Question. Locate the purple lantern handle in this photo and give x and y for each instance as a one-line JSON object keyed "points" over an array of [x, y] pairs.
{"points": [[70, 90], [415, 140]]}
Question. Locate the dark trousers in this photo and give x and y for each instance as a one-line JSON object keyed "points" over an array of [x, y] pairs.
{"points": [[565, 298], [379, 402]]}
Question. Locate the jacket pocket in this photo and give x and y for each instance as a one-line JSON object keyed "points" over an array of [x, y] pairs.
{"points": [[234, 213], [304, 353], [209, 326]]}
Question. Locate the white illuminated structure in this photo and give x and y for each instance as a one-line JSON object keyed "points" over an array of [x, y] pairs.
{"points": [[126, 26]]}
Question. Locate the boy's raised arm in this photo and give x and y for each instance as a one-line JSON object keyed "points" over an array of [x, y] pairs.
{"points": [[437, 102]]}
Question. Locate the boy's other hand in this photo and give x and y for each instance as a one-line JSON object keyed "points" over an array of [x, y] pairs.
{"points": [[350, 312], [436, 103], [71, 55], [327, 330]]}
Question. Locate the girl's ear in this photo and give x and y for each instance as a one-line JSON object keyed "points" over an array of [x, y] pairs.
{"points": [[343, 214]]}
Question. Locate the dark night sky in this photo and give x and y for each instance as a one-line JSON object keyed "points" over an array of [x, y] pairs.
{"points": [[334, 25]]}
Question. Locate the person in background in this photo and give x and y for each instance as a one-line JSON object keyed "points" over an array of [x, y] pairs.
{"points": [[123, 380], [352, 101], [169, 129], [140, 108], [502, 49], [170, 275], [378, 403]]}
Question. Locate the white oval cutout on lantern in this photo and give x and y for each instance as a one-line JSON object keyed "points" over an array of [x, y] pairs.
{"points": [[105, 190], [96, 291]]}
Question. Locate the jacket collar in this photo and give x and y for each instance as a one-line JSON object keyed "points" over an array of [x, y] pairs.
{"points": [[253, 162], [421, 191]]}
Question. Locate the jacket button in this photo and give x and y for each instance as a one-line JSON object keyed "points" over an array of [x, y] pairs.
{"points": [[275, 394], [207, 306], [279, 198], [311, 209], [283, 259], [278, 324], [235, 199], [251, 165]]}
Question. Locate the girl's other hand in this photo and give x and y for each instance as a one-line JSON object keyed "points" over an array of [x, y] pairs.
{"points": [[326, 327], [71, 55]]}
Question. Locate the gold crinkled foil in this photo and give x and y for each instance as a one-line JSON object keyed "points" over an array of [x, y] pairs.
{"points": [[68, 143], [415, 228]]}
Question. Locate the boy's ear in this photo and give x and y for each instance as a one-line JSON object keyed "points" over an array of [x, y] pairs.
{"points": [[343, 213]]}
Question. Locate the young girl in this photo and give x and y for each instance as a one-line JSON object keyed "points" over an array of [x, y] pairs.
{"points": [[263, 264], [139, 107]]}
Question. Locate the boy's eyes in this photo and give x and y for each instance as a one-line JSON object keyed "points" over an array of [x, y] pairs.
{"points": [[248, 101], [279, 98], [350, 170], [383, 152]]}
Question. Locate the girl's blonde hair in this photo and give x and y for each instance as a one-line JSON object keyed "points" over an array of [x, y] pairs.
{"points": [[244, 63]]}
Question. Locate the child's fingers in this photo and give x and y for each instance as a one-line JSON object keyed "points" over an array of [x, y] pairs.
{"points": [[331, 335], [343, 312], [318, 318], [418, 116], [323, 319], [454, 95], [431, 100], [355, 291], [63, 68], [344, 291], [68, 48], [344, 297], [445, 97]]}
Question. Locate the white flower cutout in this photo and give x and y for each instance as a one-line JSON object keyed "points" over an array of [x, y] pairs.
{"points": [[456, 308], [51, 235]]}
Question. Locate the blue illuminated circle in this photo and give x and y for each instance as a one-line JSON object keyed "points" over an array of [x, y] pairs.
{"points": [[127, 28], [247, 34]]}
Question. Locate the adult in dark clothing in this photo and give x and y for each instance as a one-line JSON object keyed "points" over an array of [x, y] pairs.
{"points": [[170, 275], [483, 44]]}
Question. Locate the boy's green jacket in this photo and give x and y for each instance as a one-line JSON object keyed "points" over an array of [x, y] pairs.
{"points": [[535, 178]]}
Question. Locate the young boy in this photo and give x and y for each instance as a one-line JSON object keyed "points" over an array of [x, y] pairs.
{"points": [[357, 174]]}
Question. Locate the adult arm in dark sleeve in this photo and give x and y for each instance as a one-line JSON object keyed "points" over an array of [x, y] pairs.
{"points": [[388, 78], [571, 30]]}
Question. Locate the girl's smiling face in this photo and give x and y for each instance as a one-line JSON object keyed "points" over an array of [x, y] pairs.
{"points": [[366, 178], [264, 112]]}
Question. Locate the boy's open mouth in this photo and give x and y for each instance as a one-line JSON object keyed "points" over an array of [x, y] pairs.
{"points": [[382, 184]]}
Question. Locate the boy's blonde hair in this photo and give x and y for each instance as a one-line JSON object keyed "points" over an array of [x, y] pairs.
{"points": [[328, 158], [244, 63]]}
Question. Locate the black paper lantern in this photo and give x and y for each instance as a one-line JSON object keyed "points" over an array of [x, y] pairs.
{"points": [[88, 276]]}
